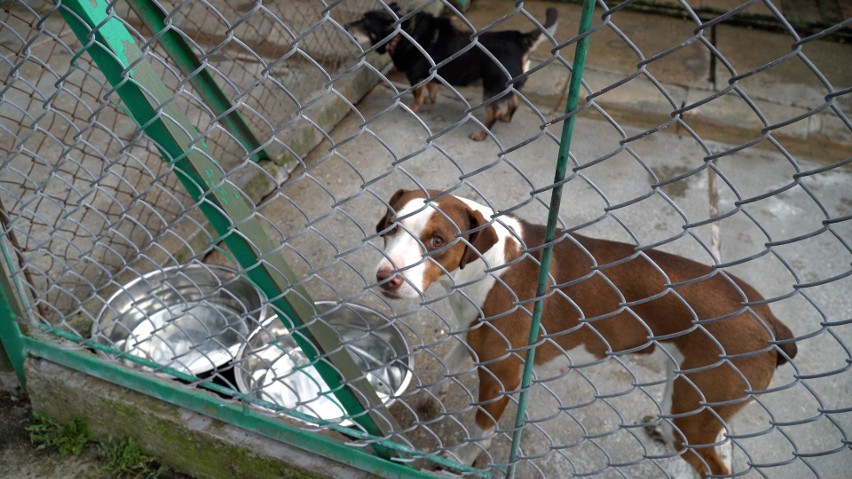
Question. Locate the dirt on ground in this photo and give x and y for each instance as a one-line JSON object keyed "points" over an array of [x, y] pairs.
{"points": [[21, 459]]}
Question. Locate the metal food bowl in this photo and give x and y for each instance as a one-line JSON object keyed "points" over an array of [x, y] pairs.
{"points": [[189, 318], [271, 367]]}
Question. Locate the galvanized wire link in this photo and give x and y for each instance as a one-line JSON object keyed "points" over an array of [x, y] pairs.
{"points": [[315, 132]]}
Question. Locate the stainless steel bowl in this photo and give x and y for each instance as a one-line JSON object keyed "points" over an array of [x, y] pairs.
{"points": [[191, 318], [271, 367]]}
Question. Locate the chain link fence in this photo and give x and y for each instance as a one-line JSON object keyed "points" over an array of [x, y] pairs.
{"points": [[689, 138]]}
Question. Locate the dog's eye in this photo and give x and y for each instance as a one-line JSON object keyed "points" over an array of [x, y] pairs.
{"points": [[436, 242]]}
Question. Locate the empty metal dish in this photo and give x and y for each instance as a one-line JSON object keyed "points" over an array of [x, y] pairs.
{"points": [[190, 318], [271, 367]]}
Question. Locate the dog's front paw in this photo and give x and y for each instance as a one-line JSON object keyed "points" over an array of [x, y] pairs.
{"points": [[653, 430], [469, 454], [479, 135]]}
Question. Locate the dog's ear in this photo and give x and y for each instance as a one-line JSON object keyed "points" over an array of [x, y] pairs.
{"points": [[388, 218], [395, 7], [479, 241]]}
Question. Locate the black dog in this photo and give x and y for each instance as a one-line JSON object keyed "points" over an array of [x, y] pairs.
{"points": [[440, 39]]}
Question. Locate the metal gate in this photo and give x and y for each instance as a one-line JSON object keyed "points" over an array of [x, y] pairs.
{"points": [[223, 144]]}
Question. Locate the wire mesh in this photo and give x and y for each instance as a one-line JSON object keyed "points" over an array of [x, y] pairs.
{"points": [[89, 205]]}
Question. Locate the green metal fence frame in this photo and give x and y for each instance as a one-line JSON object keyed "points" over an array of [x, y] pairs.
{"points": [[105, 38], [179, 51], [11, 344], [114, 50]]}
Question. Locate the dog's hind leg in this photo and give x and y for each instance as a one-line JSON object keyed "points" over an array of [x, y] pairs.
{"points": [[432, 87], [663, 432], [701, 431], [511, 106], [491, 111], [419, 93], [698, 421]]}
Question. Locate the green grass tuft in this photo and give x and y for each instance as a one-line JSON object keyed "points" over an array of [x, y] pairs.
{"points": [[68, 438], [124, 460]]}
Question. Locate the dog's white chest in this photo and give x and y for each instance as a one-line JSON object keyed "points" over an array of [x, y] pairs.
{"points": [[466, 299], [471, 285]]}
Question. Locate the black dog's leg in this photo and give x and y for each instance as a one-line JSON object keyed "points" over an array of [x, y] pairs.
{"points": [[433, 93], [419, 93], [421, 97], [491, 111], [511, 106]]}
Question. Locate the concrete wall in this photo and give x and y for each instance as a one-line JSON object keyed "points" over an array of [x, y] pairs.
{"points": [[182, 439]]}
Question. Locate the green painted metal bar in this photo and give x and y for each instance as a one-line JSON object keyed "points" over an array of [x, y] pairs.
{"points": [[204, 403], [11, 339], [153, 16], [47, 352], [552, 220], [114, 50]]}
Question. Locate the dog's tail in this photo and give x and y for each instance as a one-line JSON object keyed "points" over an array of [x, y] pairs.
{"points": [[533, 38], [783, 339]]}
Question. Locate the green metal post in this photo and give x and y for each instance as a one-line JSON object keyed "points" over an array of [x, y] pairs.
{"points": [[115, 52], [153, 16], [552, 219], [11, 344]]}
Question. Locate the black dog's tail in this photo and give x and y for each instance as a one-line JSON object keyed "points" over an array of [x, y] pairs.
{"points": [[533, 38]]}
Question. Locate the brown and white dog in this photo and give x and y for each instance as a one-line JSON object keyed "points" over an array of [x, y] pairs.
{"points": [[724, 341]]}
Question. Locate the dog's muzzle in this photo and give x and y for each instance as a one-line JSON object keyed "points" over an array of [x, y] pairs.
{"points": [[389, 281]]}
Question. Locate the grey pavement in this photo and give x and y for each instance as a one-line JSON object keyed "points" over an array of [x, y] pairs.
{"points": [[324, 217]]}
